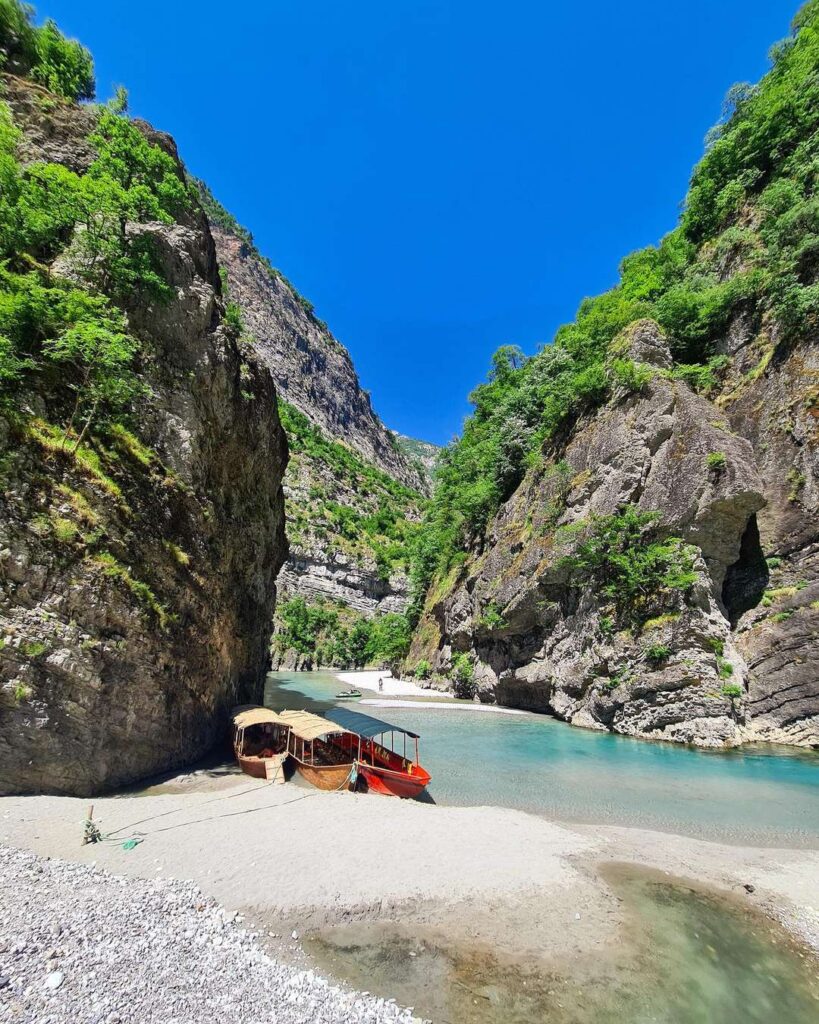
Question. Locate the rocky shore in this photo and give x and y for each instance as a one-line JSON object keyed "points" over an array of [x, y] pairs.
{"points": [[81, 946]]}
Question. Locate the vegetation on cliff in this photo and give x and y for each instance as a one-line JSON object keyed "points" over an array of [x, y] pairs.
{"points": [[72, 376], [747, 243], [329, 633], [44, 54], [353, 514], [134, 435], [349, 504]]}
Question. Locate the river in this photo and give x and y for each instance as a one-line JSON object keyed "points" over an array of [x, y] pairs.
{"points": [[760, 794]]}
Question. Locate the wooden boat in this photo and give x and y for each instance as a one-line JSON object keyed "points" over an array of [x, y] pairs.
{"points": [[380, 769], [260, 742], [348, 694], [319, 751]]}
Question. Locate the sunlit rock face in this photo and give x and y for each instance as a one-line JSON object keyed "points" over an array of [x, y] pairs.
{"points": [[539, 640], [126, 642]]}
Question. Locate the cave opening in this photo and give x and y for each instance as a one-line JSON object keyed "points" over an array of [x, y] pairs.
{"points": [[746, 580]]}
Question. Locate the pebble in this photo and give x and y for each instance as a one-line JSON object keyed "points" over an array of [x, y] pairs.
{"points": [[148, 950]]}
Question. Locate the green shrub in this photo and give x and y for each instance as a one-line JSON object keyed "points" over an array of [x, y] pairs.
{"points": [[62, 65], [182, 558], [606, 624], [716, 461], [732, 691], [657, 654], [633, 377], [632, 566], [22, 693], [724, 668], [423, 669], [491, 618], [64, 530], [462, 675], [34, 648]]}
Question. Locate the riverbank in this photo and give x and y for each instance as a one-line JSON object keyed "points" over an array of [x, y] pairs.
{"points": [[294, 858], [390, 686], [80, 946]]}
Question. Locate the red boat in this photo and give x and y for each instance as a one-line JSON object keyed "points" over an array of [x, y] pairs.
{"points": [[381, 769]]}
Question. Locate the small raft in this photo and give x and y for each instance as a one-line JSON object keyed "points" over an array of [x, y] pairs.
{"points": [[260, 742], [348, 695]]}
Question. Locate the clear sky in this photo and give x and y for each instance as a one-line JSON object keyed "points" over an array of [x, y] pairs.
{"points": [[439, 177]]}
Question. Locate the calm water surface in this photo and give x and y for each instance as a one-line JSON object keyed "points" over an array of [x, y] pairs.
{"points": [[687, 956], [760, 795]]}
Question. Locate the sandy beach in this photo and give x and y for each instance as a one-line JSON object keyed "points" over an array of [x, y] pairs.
{"points": [[392, 687], [392, 690], [294, 858]]}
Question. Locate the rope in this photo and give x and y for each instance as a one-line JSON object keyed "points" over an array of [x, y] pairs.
{"points": [[138, 837], [176, 810]]}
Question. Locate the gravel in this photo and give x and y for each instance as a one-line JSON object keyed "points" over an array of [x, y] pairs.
{"points": [[80, 945]]}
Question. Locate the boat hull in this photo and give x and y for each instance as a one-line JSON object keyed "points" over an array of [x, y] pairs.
{"points": [[392, 783], [329, 777], [270, 768]]}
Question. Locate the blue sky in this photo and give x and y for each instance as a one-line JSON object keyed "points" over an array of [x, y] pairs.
{"points": [[439, 177]]}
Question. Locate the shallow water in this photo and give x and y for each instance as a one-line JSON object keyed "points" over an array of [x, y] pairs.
{"points": [[687, 956], [759, 795]]}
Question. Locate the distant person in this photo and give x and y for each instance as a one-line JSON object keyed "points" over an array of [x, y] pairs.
{"points": [[380, 684]]}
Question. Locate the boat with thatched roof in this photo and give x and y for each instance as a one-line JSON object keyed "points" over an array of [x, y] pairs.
{"points": [[260, 742], [322, 751]]}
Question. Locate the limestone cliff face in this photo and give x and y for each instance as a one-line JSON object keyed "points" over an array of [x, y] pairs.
{"points": [[312, 370], [540, 639], [137, 575], [315, 375], [772, 399]]}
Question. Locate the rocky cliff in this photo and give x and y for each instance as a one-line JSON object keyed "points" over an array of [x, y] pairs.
{"points": [[312, 370], [353, 491], [551, 631], [350, 526], [724, 655], [626, 534], [138, 552]]}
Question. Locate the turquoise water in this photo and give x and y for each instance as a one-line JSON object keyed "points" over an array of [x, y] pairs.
{"points": [[685, 956], [760, 794]]}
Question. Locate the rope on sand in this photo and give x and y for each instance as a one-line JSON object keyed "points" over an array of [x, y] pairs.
{"points": [[138, 837]]}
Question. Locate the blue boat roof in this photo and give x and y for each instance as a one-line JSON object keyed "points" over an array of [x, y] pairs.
{"points": [[363, 725]]}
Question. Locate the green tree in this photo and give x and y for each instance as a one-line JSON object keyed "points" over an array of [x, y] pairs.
{"points": [[62, 65], [633, 567]]}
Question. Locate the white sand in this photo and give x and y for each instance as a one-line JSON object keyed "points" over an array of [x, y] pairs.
{"points": [[292, 846], [392, 687], [450, 705], [293, 853]]}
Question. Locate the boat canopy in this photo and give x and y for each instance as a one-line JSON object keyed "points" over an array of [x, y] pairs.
{"points": [[363, 725], [257, 716], [309, 727]]}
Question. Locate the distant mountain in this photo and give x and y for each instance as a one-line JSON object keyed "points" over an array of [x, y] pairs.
{"points": [[353, 493], [423, 454]]}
